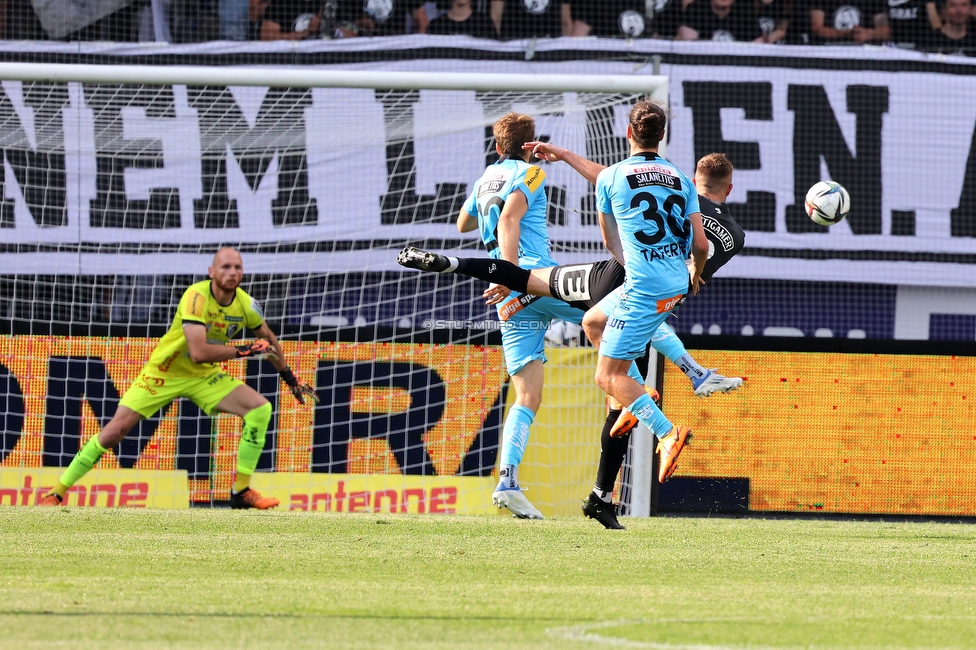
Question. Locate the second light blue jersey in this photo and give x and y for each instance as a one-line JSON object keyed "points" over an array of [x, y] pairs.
{"points": [[488, 198], [651, 201]]}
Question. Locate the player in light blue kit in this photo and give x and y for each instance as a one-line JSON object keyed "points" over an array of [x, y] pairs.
{"points": [[651, 222], [508, 207]]}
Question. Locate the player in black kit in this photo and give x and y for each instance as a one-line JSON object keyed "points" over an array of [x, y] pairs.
{"points": [[584, 285]]}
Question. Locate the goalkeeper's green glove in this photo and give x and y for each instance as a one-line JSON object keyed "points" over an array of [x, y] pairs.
{"points": [[299, 389], [260, 349]]}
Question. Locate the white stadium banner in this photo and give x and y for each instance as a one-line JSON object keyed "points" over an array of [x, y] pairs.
{"points": [[901, 143]]}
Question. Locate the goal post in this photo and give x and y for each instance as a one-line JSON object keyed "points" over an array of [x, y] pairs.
{"points": [[122, 181]]}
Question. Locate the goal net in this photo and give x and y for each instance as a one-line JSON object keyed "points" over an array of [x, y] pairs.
{"points": [[120, 183]]}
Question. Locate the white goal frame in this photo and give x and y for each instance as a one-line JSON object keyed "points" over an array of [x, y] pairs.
{"points": [[655, 87]]}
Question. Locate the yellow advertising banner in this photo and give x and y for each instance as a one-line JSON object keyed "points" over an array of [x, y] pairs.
{"points": [[61, 389], [376, 493], [113, 488], [833, 432]]}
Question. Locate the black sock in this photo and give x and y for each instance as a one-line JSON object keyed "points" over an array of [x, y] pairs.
{"points": [[612, 453], [496, 271]]}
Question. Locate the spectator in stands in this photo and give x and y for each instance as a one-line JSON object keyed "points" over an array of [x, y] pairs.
{"points": [[848, 21], [913, 22], [462, 18], [288, 20], [610, 18], [774, 18], [428, 11], [385, 17], [532, 18], [234, 16], [668, 15], [720, 20], [958, 32]]}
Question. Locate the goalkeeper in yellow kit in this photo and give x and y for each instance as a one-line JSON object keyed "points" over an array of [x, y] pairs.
{"points": [[186, 364]]}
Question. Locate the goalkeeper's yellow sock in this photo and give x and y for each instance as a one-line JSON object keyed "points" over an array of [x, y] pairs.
{"points": [[253, 435], [80, 465], [241, 483]]}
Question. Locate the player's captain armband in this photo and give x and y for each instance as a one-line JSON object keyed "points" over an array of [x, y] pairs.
{"points": [[195, 304], [668, 304], [534, 177]]}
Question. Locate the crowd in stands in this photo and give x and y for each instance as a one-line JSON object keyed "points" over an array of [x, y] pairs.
{"points": [[944, 26]]}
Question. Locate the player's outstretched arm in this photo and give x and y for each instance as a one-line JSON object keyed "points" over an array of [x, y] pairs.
{"points": [[552, 153], [300, 390]]}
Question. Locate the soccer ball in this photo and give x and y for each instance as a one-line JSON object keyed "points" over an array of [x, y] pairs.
{"points": [[827, 203]]}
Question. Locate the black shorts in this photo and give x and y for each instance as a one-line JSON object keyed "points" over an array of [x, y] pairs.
{"points": [[584, 285]]}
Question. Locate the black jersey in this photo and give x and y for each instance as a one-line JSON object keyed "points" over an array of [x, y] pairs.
{"points": [[725, 236], [584, 285]]}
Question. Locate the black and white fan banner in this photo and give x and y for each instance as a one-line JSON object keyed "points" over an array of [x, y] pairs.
{"points": [[107, 180]]}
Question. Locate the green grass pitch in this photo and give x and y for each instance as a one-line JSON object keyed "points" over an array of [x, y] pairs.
{"points": [[86, 578]]}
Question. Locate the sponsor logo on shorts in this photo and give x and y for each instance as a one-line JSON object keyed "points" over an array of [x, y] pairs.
{"points": [[573, 284], [669, 303], [515, 305], [615, 323]]}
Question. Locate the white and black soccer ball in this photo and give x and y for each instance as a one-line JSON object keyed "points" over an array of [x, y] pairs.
{"points": [[827, 203]]}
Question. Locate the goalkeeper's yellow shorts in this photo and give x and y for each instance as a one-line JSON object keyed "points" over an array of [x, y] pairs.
{"points": [[150, 392]]}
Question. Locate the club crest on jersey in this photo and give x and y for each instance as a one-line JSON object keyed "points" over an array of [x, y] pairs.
{"points": [[534, 177]]}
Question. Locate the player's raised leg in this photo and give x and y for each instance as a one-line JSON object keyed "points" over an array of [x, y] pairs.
{"points": [[255, 411], [496, 271], [705, 381]]}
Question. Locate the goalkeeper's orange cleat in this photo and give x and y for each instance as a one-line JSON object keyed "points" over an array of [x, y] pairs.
{"points": [[668, 448], [626, 422], [248, 498], [52, 499]]}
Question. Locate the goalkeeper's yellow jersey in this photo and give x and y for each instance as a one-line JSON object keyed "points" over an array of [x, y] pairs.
{"points": [[171, 358]]}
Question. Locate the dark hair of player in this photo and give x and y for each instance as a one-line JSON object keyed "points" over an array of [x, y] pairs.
{"points": [[714, 171], [647, 122], [511, 131]]}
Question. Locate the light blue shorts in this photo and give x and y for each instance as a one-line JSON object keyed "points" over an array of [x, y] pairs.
{"points": [[524, 333], [631, 322]]}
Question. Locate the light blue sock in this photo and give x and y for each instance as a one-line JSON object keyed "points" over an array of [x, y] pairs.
{"points": [[515, 438], [634, 373], [650, 415], [667, 343]]}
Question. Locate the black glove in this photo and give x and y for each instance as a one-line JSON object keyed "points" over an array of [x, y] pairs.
{"points": [[299, 389]]}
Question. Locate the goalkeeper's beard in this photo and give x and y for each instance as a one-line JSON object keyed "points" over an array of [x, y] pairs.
{"points": [[227, 286]]}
